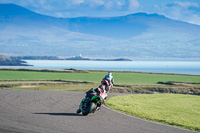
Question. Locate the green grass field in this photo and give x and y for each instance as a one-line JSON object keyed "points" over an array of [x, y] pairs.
{"points": [[173, 109], [96, 77], [33, 75]]}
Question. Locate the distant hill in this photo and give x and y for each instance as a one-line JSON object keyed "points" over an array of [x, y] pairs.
{"points": [[7, 61], [140, 35]]}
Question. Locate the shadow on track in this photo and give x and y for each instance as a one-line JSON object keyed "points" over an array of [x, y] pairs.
{"points": [[60, 114]]}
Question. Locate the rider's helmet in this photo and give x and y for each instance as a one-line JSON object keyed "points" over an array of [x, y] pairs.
{"points": [[109, 76]]}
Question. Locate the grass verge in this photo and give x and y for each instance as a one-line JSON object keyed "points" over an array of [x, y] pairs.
{"points": [[173, 109]]}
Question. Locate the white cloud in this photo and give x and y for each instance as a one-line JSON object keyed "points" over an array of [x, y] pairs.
{"points": [[109, 5], [183, 11], [119, 3], [194, 19], [98, 2], [94, 3], [186, 4], [133, 4], [78, 1]]}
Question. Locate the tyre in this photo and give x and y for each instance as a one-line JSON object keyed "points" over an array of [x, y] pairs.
{"points": [[90, 109], [85, 112]]}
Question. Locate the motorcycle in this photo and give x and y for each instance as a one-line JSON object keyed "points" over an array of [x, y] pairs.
{"points": [[92, 102]]}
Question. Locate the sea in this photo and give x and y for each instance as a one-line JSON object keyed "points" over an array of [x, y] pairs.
{"points": [[176, 66]]}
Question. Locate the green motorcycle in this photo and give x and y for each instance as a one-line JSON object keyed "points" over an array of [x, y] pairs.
{"points": [[90, 104]]}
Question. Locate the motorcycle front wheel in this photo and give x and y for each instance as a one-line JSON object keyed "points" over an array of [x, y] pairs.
{"points": [[90, 109]]}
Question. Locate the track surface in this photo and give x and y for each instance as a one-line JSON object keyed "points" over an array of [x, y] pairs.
{"points": [[54, 112]]}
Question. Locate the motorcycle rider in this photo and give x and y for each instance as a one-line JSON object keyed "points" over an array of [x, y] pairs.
{"points": [[107, 81], [105, 86]]}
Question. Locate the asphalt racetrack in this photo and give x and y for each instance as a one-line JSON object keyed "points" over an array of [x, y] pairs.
{"points": [[24, 111]]}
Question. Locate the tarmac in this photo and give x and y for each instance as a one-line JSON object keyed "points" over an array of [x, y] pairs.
{"points": [[26, 111]]}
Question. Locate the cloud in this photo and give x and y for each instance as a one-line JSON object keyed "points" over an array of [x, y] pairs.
{"points": [[183, 4], [97, 2], [133, 4], [183, 11], [77, 2]]}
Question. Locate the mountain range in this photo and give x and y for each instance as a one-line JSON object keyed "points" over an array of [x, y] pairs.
{"points": [[139, 35]]}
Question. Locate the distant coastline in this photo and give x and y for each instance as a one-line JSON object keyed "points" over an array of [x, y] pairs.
{"points": [[18, 60], [80, 57], [118, 59], [8, 61]]}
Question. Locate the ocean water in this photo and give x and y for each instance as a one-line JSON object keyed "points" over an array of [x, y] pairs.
{"points": [[158, 66]]}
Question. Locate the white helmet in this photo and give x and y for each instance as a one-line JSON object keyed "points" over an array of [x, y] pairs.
{"points": [[109, 76]]}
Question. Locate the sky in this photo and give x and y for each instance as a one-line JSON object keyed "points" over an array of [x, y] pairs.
{"points": [[183, 10]]}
